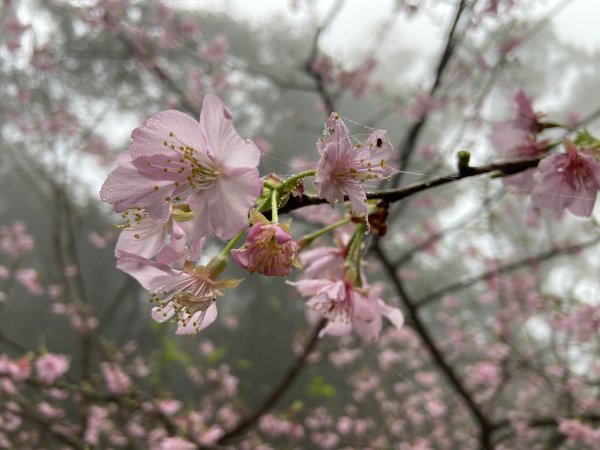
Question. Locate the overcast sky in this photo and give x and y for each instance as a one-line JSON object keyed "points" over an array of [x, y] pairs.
{"points": [[576, 23]]}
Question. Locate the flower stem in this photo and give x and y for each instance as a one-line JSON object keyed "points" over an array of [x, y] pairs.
{"points": [[353, 258], [269, 185], [294, 178], [360, 235], [305, 241], [231, 244], [274, 200]]}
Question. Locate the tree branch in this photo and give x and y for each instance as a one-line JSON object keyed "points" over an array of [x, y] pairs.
{"points": [[394, 195], [408, 145], [280, 389], [459, 285], [485, 426]]}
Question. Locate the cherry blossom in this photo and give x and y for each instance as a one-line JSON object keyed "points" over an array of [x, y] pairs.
{"points": [[116, 380], [50, 367], [189, 294], [348, 307], [344, 167], [173, 159], [567, 181]]}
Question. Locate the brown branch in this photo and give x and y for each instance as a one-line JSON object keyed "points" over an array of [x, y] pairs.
{"points": [[542, 422], [459, 285], [394, 195], [280, 389], [163, 76], [316, 76], [408, 145], [437, 236], [40, 419], [484, 424]]}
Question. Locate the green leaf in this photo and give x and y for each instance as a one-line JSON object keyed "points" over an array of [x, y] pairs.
{"points": [[243, 363], [318, 387], [216, 355], [586, 139]]}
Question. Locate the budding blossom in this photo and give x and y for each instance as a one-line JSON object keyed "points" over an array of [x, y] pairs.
{"points": [[344, 168], [189, 295], [269, 248], [174, 159]]}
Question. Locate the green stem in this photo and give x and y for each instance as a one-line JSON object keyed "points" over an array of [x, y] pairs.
{"points": [[351, 247], [360, 235], [231, 244], [263, 204], [274, 200], [294, 178], [305, 241], [269, 185]]}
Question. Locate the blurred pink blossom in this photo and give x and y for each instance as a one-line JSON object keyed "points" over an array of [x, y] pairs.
{"points": [[50, 367]]}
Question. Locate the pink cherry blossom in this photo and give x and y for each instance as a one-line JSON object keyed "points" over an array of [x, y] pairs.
{"points": [[96, 422], [51, 366], [169, 407], [423, 105], [215, 50], [567, 181], [358, 79], [116, 380], [29, 279], [189, 295], [269, 248], [348, 307], [176, 443], [173, 158], [14, 240], [344, 167]]}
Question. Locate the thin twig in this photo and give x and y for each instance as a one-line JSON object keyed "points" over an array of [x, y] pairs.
{"points": [[280, 389], [485, 425], [408, 145], [394, 195], [507, 268]]}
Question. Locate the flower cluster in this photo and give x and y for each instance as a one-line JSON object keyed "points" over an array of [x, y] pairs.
{"points": [[182, 182], [342, 296]]}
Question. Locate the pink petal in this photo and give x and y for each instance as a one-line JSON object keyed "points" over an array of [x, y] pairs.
{"points": [[151, 275], [152, 237], [224, 207], [394, 315], [369, 331], [126, 188], [222, 140], [336, 328], [202, 323], [148, 139], [161, 314]]}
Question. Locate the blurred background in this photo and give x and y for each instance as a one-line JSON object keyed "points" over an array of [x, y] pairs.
{"points": [[500, 348]]}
